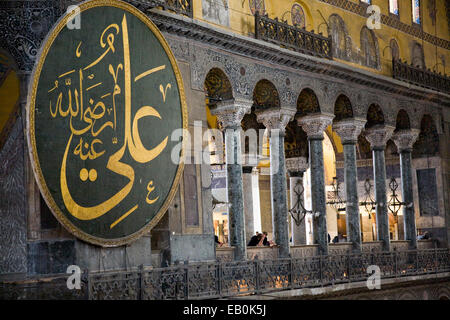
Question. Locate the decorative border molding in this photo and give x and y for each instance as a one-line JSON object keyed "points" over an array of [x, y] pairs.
{"points": [[202, 33]]}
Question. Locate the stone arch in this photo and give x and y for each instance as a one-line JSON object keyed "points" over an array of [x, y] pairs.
{"points": [[407, 295], [427, 144], [369, 48], [203, 63], [341, 41], [265, 95], [402, 120], [439, 293], [217, 86], [417, 55], [375, 116], [342, 108], [307, 102]]}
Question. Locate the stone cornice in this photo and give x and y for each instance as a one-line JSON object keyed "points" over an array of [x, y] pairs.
{"points": [[204, 33]]}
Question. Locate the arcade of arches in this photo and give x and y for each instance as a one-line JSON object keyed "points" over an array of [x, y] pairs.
{"points": [[344, 141], [331, 134]]}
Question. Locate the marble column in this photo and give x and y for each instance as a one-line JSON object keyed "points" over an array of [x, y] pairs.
{"points": [[230, 114], [251, 197], [296, 168], [349, 130], [314, 125], [378, 137], [404, 139], [275, 120]]}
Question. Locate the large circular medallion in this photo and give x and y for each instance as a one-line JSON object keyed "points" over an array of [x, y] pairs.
{"points": [[105, 98]]}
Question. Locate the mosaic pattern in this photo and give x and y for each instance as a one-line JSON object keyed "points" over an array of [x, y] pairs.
{"points": [[257, 6], [266, 95], [342, 43], [218, 86], [374, 116], [369, 48], [307, 103], [295, 141], [392, 22], [343, 108], [23, 26], [402, 122], [298, 16]]}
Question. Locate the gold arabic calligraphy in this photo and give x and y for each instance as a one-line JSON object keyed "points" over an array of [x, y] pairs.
{"points": [[91, 114]]}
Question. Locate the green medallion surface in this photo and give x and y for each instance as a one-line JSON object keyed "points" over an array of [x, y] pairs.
{"points": [[105, 100]]}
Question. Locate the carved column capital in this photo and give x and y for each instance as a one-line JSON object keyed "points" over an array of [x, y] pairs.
{"points": [[349, 129], [314, 125], [379, 135], [299, 164], [275, 118], [231, 112], [405, 139]]}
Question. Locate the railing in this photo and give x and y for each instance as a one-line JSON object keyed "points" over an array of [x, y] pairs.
{"points": [[420, 77], [183, 7], [228, 279], [290, 37]]}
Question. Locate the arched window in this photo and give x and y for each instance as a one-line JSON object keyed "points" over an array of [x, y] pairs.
{"points": [[416, 11], [298, 16], [369, 48], [393, 6]]}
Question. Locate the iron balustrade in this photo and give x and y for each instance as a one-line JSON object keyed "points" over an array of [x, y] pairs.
{"points": [[227, 279], [290, 37], [183, 7], [419, 76]]}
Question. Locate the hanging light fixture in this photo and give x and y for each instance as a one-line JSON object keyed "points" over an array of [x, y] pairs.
{"points": [[337, 203], [298, 211], [368, 203], [394, 204]]}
